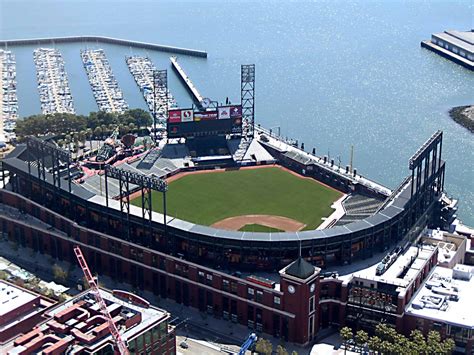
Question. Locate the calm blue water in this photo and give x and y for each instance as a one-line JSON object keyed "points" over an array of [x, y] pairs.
{"points": [[329, 73]]}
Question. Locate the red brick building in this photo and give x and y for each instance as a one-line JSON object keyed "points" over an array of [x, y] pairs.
{"points": [[78, 325], [20, 310]]}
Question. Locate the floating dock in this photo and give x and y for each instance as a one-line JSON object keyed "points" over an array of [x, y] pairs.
{"points": [[457, 46], [8, 95], [102, 39], [142, 70], [197, 96], [108, 95], [53, 85]]}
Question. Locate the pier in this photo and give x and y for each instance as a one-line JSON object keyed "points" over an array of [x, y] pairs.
{"points": [[197, 96], [103, 39], [8, 94], [106, 91], [142, 70], [53, 85], [457, 46]]}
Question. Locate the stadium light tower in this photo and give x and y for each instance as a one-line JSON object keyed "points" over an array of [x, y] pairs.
{"points": [[247, 96]]}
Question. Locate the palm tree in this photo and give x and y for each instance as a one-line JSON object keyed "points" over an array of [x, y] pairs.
{"points": [[89, 136]]}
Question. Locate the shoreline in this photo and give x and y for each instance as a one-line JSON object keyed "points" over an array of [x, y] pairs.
{"points": [[463, 115]]}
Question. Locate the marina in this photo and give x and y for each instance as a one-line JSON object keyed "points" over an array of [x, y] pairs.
{"points": [[53, 86], [8, 96], [107, 93], [142, 70]]}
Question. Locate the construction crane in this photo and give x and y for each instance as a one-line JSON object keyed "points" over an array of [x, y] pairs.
{"points": [[252, 339], [119, 343]]}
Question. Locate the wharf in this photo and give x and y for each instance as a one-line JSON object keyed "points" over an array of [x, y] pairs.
{"points": [[186, 80], [106, 91], [103, 39], [456, 46], [142, 70], [8, 94], [53, 85]]}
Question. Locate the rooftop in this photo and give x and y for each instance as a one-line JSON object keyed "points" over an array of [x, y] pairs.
{"points": [[12, 297], [404, 269], [460, 39], [300, 268], [446, 297], [78, 324]]}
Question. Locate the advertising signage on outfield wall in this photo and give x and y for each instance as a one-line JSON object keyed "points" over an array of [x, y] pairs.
{"points": [[189, 123]]}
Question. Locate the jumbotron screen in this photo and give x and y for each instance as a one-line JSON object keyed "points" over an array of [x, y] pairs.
{"points": [[189, 123]]}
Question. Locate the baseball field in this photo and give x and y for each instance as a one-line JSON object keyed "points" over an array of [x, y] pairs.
{"points": [[261, 199]]}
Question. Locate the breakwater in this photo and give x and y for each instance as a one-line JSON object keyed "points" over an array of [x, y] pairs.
{"points": [[464, 115], [103, 39]]}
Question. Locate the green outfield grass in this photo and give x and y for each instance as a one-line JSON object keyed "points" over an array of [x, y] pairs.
{"points": [[259, 228], [208, 198]]}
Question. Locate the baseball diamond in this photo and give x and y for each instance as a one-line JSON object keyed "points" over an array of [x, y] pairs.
{"points": [[211, 198]]}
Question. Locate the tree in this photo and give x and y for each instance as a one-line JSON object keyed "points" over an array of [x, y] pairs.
{"points": [[280, 350], [386, 347], [59, 273], [98, 132], [448, 346], [346, 335], [264, 346], [388, 341], [361, 338], [374, 343], [138, 116]]}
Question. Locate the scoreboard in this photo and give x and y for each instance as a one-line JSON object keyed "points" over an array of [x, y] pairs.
{"points": [[212, 122]]}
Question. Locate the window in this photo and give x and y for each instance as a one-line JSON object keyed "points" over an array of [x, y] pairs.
{"points": [[156, 333], [311, 304], [140, 342], [311, 326], [251, 291], [259, 296], [225, 285], [201, 276], [276, 300], [132, 346], [233, 287], [148, 338]]}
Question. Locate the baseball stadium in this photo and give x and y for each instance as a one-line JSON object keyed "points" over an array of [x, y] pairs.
{"points": [[218, 209], [217, 188]]}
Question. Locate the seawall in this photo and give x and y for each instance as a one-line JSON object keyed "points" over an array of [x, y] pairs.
{"points": [[103, 39]]}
